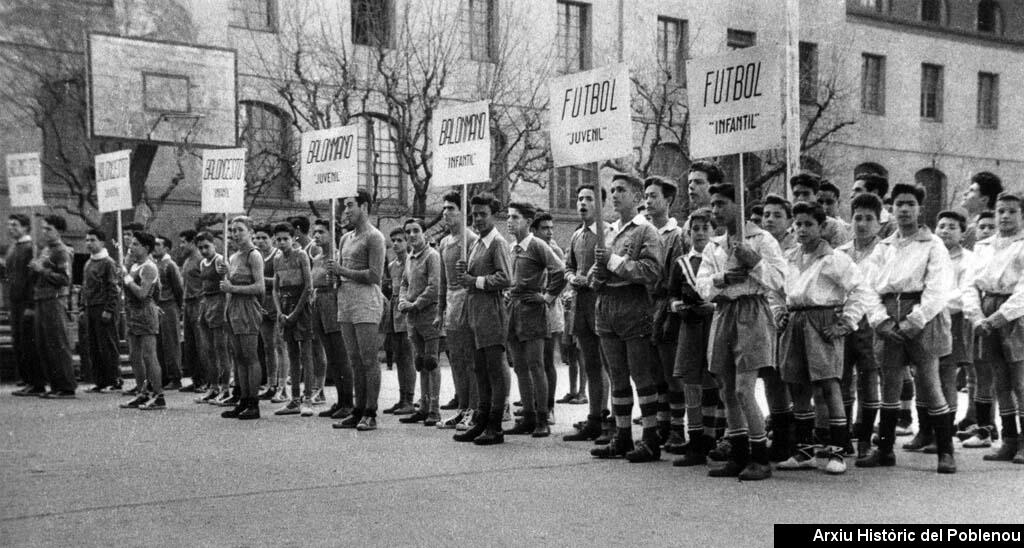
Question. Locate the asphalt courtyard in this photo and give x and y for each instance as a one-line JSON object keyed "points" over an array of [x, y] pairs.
{"points": [[83, 472]]}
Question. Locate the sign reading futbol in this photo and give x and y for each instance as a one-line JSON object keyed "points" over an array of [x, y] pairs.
{"points": [[590, 116]]}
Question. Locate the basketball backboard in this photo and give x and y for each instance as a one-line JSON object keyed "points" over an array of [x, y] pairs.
{"points": [[162, 92]]}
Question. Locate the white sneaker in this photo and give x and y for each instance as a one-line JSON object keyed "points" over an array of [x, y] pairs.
{"points": [[280, 396], [291, 409], [507, 417], [467, 421], [821, 456], [803, 459], [305, 409], [981, 438], [835, 464], [551, 417], [451, 422], [318, 398]]}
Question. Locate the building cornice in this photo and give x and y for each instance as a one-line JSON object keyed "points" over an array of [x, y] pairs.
{"points": [[932, 30]]}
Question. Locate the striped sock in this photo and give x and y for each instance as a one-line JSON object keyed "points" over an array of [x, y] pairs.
{"points": [[622, 407], [868, 413], [804, 426], [664, 408], [1009, 419], [677, 408], [647, 397]]}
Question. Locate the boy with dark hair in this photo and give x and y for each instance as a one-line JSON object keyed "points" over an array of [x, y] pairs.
{"points": [[980, 196], [485, 274], [292, 287], [18, 292], [417, 300], [395, 327], [543, 227], [624, 267], [699, 180], [691, 365], [986, 225], [100, 301], [141, 286], [659, 195], [170, 300], [992, 303], [302, 225], [275, 355], [213, 342], [52, 281], [913, 276], [193, 358], [969, 425], [776, 220], [329, 357], [737, 273], [806, 187]]}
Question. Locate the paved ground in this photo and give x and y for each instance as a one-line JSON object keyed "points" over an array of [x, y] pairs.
{"points": [[84, 472]]}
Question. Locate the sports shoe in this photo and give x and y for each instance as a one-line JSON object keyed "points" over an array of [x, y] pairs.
{"points": [[59, 395], [721, 451], [756, 471], [173, 385], [466, 423], [350, 421], [280, 396], [135, 402], [29, 391], [821, 456], [904, 427], [835, 463], [981, 438], [406, 409], [291, 409], [208, 397], [451, 405], [367, 423], [431, 420], [506, 416], [318, 398], [966, 430], [1006, 453], [98, 389], [801, 459], [580, 399], [645, 451], [676, 443], [391, 410], [414, 418], [305, 409], [568, 397], [451, 422], [154, 404], [330, 411]]}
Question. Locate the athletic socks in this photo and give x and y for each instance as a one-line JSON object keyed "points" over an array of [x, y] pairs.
{"points": [[622, 408], [647, 397]]}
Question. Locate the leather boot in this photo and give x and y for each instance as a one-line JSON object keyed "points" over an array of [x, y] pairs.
{"points": [[780, 448], [251, 411], [942, 426], [239, 407], [1007, 450], [696, 451], [607, 432], [676, 442], [617, 447], [524, 427], [883, 454], [479, 425], [542, 429], [925, 435], [591, 430], [492, 434], [739, 457]]}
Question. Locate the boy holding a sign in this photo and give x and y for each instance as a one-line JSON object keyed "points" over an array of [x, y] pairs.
{"points": [[52, 281]]}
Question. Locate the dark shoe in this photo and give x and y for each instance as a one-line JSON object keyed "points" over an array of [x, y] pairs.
{"points": [[525, 427], [453, 404], [350, 421], [692, 457], [34, 392], [490, 437], [233, 400], [329, 412], [414, 418], [566, 398], [173, 385], [59, 395], [132, 392], [367, 424], [863, 448], [431, 421], [252, 411], [268, 394], [479, 425], [920, 440], [391, 410], [590, 431], [616, 449], [98, 389], [405, 409], [947, 464], [756, 471], [676, 443], [645, 451], [135, 402], [341, 413], [154, 404], [607, 432], [876, 458], [722, 451], [542, 430], [1007, 450], [580, 399], [233, 413], [731, 469]]}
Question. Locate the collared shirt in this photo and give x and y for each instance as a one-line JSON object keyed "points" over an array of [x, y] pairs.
{"points": [[788, 242], [451, 296], [191, 271], [765, 277], [532, 259], [636, 253], [170, 280], [489, 263], [420, 282], [824, 277], [998, 268], [963, 261], [101, 284], [683, 277], [672, 247], [580, 256], [911, 265]]}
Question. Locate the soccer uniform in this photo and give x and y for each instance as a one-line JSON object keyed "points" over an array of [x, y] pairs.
{"points": [[292, 288], [244, 313], [329, 356], [664, 340], [169, 300], [211, 322]]}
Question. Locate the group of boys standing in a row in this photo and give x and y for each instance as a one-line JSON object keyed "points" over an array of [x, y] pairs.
{"points": [[824, 312]]}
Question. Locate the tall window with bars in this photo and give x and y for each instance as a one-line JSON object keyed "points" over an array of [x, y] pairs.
{"points": [[933, 11], [808, 73], [371, 22], [573, 37], [988, 100], [379, 170], [672, 48], [739, 39], [266, 135], [931, 92], [566, 180], [252, 14], [872, 84], [479, 24]]}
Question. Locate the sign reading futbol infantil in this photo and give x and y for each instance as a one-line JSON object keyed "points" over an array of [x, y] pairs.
{"points": [[113, 182], [330, 163], [735, 102], [461, 139], [223, 179], [25, 179], [590, 116]]}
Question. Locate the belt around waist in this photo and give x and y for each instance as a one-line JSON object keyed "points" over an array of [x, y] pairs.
{"points": [[290, 292], [326, 289], [910, 296], [814, 307], [748, 297], [985, 294], [622, 289]]}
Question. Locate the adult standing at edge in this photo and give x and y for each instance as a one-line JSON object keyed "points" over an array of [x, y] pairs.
{"points": [[52, 276], [100, 300], [19, 295], [360, 304]]}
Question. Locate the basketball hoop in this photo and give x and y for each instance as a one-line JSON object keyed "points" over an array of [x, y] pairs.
{"points": [[179, 120]]}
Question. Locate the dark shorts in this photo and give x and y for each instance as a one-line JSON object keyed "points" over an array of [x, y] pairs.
{"points": [[742, 336], [623, 313], [245, 314], [583, 312], [1007, 342], [527, 320], [807, 355], [934, 340], [211, 311], [143, 319], [301, 329], [325, 311], [487, 318], [692, 354], [963, 339], [859, 350]]}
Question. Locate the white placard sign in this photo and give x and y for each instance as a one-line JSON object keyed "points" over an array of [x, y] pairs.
{"points": [[25, 179], [461, 139], [330, 163], [735, 102], [223, 178], [590, 116], [113, 184]]}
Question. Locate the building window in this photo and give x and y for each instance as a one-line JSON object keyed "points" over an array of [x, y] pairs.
{"points": [[379, 170], [672, 48], [808, 73], [931, 92], [988, 100], [252, 14], [872, 84], [933, 11], [266, 134], [480, 30], [877, 6], [739, 39], [566, 180], [990, 17], [573, 37], [371, 23]]}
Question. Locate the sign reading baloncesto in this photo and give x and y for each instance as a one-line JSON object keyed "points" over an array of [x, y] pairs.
{"points": [[223, 180], [113, 182], [330, 163], [461, 139], [590, 116], [25, 179], [735, 102]]}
